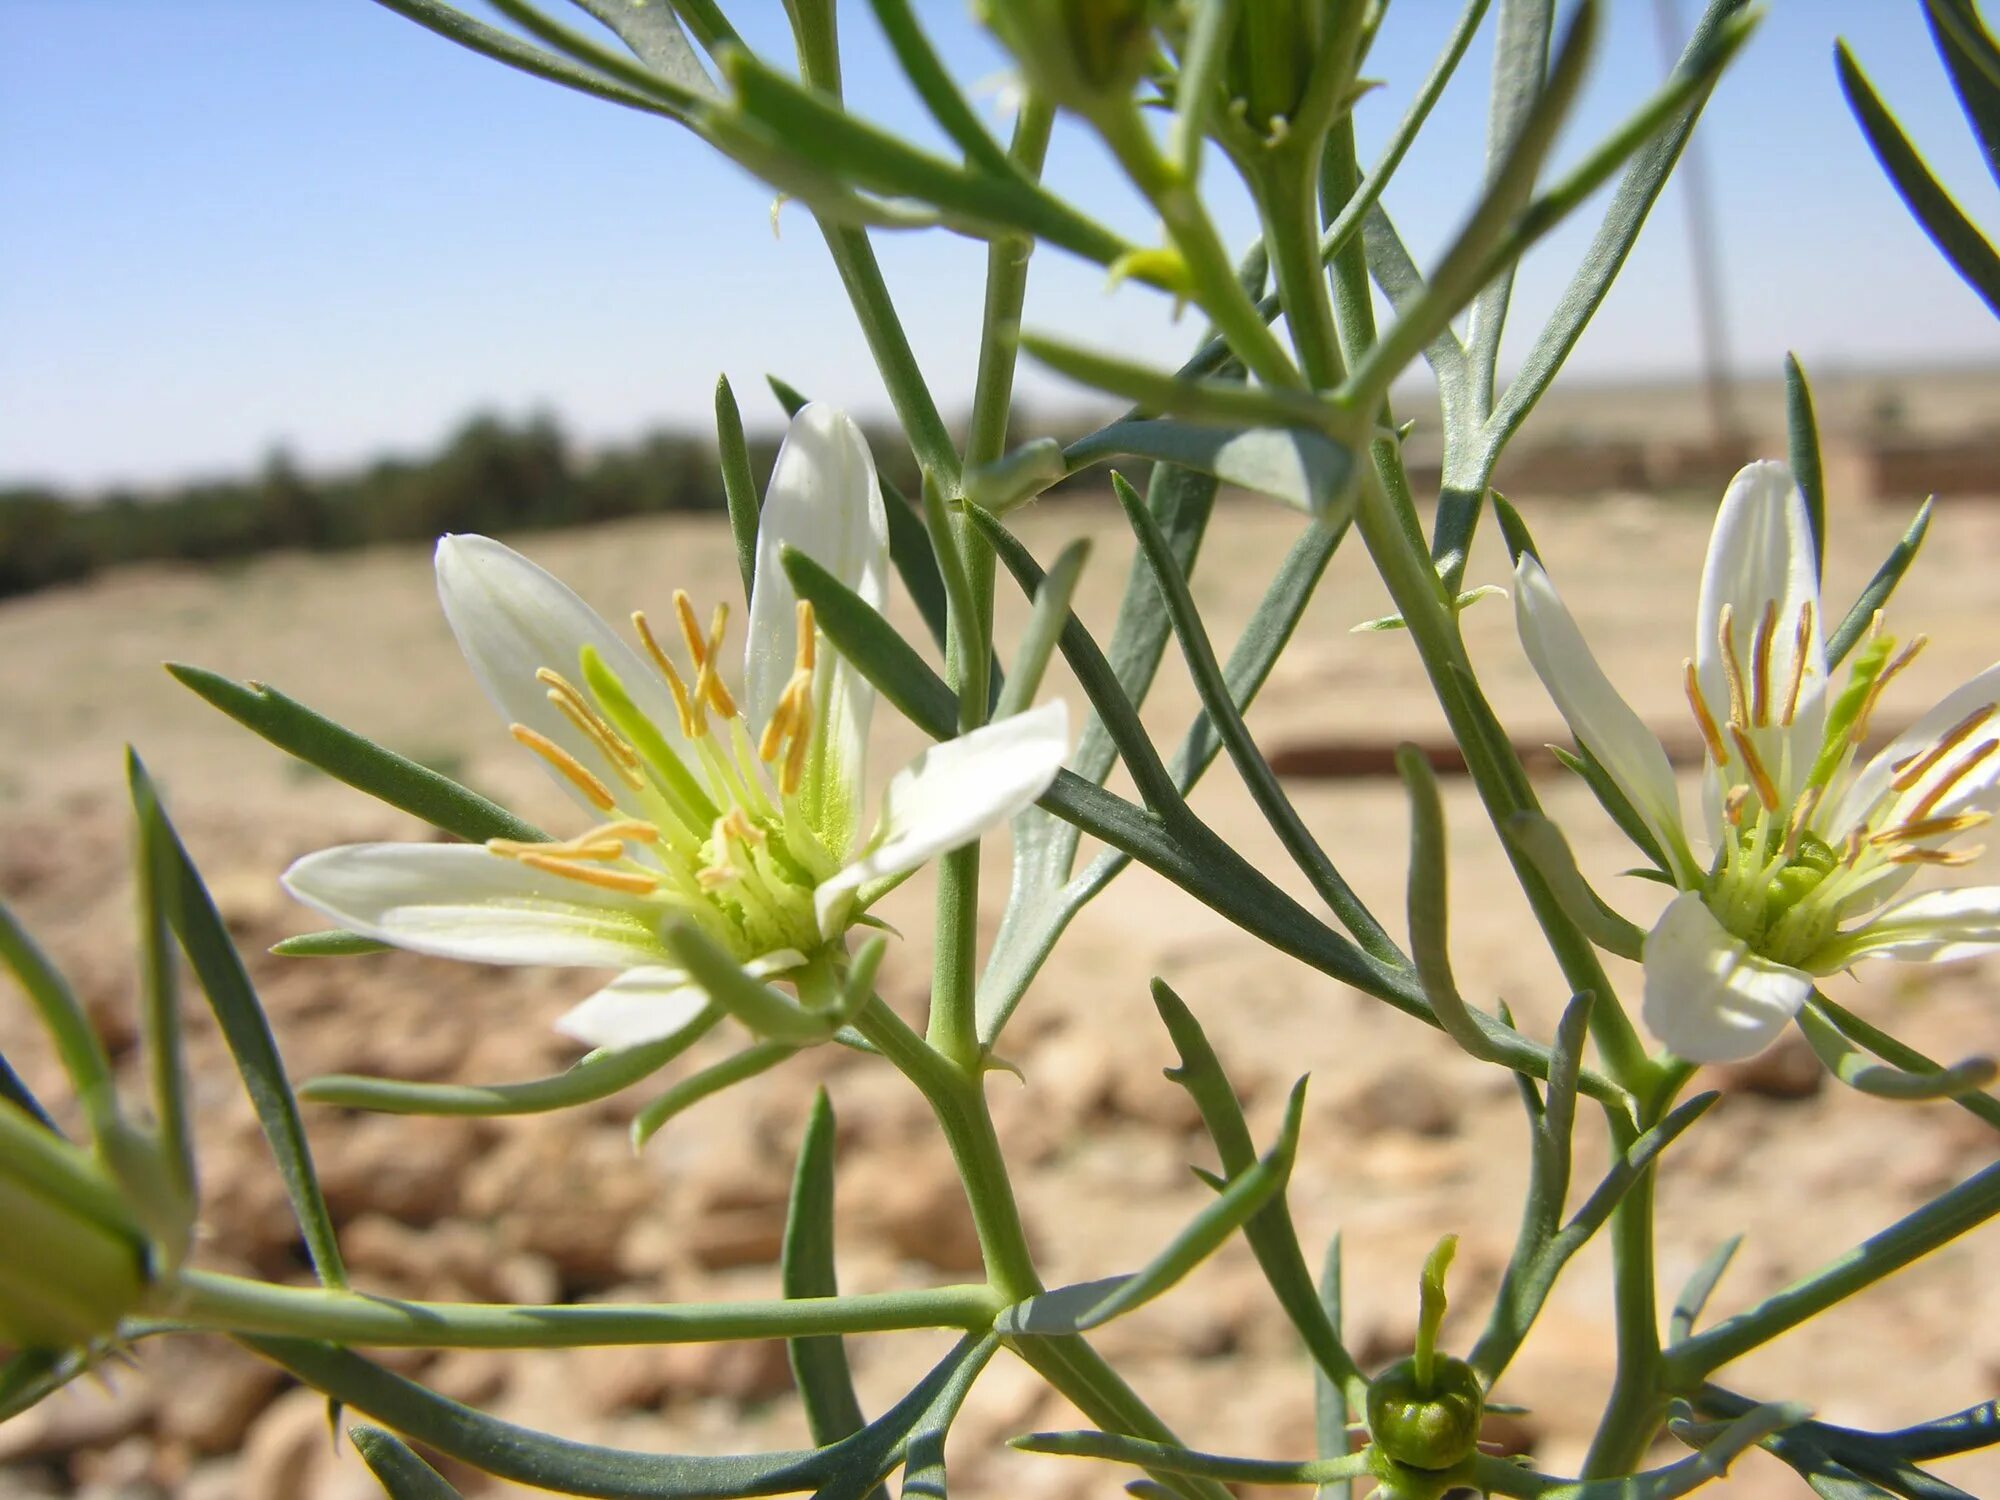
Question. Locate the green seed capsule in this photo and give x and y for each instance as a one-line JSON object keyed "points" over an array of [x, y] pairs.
{"points": [[1434, 1429]]}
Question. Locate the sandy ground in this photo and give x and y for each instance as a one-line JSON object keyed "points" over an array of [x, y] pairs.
{"points": [[1404, 1138]]}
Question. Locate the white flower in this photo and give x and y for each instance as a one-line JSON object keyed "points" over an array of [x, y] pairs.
{"points": [[743, 822], [1808, 846]]}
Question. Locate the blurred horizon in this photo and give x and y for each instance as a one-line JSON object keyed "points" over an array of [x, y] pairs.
{"points": [[321, 230]]}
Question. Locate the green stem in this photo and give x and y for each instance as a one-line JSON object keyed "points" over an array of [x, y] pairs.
{"points": [[1286, 188], [1965, 1207], [234, 1304], [1637, 1403], [954, 1025], [1211, 273]]}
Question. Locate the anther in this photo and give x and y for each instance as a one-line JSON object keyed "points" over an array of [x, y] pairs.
{"points": [[1859, 731], [1916, 770], [795, 754], [572, 706], [1948, 857], [1767, 790], [1800, 638], [1851, 847], [630, 830], [1725, 637], [1733, 805], [1930, 828], [808, 648], [631, 882], [567, 765], [652, 644], [690, 629], [585, 846], [693, 717], [1760, 664], [1802, 814], [1718, 751], [1954, 774]]}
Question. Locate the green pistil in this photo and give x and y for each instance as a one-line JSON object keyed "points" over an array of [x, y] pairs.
{"points": [[682, 792]]}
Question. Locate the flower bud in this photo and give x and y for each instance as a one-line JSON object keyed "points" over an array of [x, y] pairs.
{"points": [[1427, 1428], [1077, 53], [72, 1261]]}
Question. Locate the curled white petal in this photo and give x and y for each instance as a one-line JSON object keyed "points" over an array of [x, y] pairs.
{"points": [[824, 500], [1601, 720], [512, 618], [951, 794], [461, 901], [1708, 997], [1937, 927], [1761, 553], [639, 1006]]}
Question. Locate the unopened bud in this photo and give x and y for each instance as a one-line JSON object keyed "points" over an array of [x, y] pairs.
{"points": [[72, 1261], [1077, 53]]}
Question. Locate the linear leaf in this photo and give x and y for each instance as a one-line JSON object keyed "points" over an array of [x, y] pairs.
{"points": [[1306, 470], [1699, 1288], [1802, 434], [1331, 1411], [1854, 625], [1974, 64], [62, 1015], [1852, 1067], [819, 1363], [361, 763], [239, 1014], [739, 486], [859, 633], [403, 1475], [654, 34], [333, 943]]}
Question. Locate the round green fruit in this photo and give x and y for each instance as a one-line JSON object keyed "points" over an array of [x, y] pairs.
{"points": [[1426, 1429]]}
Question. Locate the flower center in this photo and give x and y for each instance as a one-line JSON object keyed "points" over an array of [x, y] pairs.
{"points": [[707, 829], [1787, 874]]}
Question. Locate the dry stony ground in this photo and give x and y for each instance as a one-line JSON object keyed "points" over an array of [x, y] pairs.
{"points": [[1404, 1139]]}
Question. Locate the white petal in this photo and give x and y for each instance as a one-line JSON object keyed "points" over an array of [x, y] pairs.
{"points": [[512, 618], [951, 794], [639, 1006], [823, 500], [1601, 720], [1938, 926], [1976, 792], [1708, 997], [461, 901], [1760, 553]]}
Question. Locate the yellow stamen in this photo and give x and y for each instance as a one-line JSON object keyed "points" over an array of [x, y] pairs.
{"points": [[1902, 659], [710, 684], [1951, 857], [1760, 665], [795, 754], [690, 629], [1725, 637], [1718, 751], [1800, 638], [1852, 845], [737, 825], [1930, 828], [808, 648], [772, 741], [715, 877], [623, 759], [1914, 771], [632, 830], [631, 882], [1957, 772], [583, 847], [645, 629], [566, 765], [1767, 790]]}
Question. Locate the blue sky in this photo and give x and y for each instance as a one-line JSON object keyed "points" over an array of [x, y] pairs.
{"points": [[235, 223]]}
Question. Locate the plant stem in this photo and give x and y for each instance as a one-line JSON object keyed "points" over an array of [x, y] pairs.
{"points": [[237, 1305], [954, 1026], [1285, 181], [1637, 1403]]}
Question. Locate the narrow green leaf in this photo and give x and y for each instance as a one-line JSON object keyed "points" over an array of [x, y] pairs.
{"points": [[1903, 1056], [505, 47], [1168, 1459], [18, 1094], [676, 97], [1227, 403], [77, 1046], [536, 1459], [1201, 63], [1307, 471], [936, 87], [1639, 187], [1700, 1286], [362, 764], [1549, 852], [334, 943], [923, 1450], [739, 486], [1852, 1067], [961, 615], [31, 1375], [819, 1363], [1613, 800], [690, 1091], [877, 650], [790, 397], [1802, 431], [1037, 641], [1957, 238], [1513, 529], [597, 1076], [654, 34], [404, 1476], [1854, 625], [238, 1013], [1427, 902], [1331, 1411], [1213, 687], [1271, 1233], [160, 1012], [763, 1011], [1974, 65], [1626, 1172]]}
